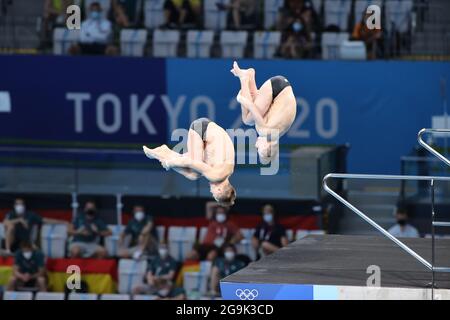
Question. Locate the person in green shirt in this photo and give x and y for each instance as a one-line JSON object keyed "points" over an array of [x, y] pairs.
{"points": [[142, 236], [28, 269], [86, 229], [224, 266]]}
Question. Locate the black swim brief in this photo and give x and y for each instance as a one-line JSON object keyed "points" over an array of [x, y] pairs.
{"points": [[278, 84], [200, 126]]}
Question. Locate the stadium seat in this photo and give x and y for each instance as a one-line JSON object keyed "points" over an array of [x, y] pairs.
{"points": [[165, 43], [2, 233], [398, 15], [361, 6], [352, 50], [196, 283], [144, 297], [49, 296], [82, 296], [290, 234], [233, 43], [202, 234], [300, 234], [132, 42], [115, 297], [112, 241], [53, 240], [131, 274], [215, 19], [265, 44], [153, 13], [105, 4], [161, 230], [199, 43], [337, 12], [271, 9], [181, 240], [331, 42], [317, 5], [63, 39], [245, 246], [18, 295]]}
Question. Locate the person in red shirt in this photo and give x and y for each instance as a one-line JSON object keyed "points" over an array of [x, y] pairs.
{"points": [[221, 231]]}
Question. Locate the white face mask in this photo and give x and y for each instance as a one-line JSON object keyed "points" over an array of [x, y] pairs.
{"points": [[268, 217], [139, 215], [218, 242], [164, 292], [27, 254], [229, 255], [221, 217], [19, 209], [162, 252]]}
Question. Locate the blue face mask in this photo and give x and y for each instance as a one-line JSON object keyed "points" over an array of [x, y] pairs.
{"points": [[297, 26], [95, 15]]}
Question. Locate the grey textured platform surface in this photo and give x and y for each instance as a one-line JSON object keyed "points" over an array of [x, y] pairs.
{"points": [[343, 261]]}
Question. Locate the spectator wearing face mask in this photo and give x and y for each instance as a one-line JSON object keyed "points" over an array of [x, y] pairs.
{"points": [[86, 229], [95, 34], [142, 236], [297, 42], [223, 267], [28, 269], [161, 268], [166, 290], [269, 236], [402, 229], [222, 231], [20, 225]]}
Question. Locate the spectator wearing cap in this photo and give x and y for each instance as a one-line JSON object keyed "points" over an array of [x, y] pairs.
{"points": [[21, 224], [161, 268], [221, 230], [223, 267], [86, 229], [402, 229], [269, 236], [142, 234], [29, 269]]}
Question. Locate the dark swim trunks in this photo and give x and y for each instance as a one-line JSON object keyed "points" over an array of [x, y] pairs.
{"points": [[278, 84], [200, 126]]}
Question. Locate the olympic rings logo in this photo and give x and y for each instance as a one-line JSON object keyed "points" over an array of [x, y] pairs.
{"points": [[247, 294]]}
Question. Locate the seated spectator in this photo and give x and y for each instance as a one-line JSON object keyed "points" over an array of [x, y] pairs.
{"points": [[371, 38], [161, 268], [21, 224], [166, 290], [95, 34], [127, 13], [269, 236], [54, 14], [142, 235], [297, 43], [28, 269], [402, 229], [223, 267], [221, 231], [181, 12], [242, 13], [86, 229], [294, 10]]}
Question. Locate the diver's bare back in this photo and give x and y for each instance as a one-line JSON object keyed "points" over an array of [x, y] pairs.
{"points": [[219, 149]]}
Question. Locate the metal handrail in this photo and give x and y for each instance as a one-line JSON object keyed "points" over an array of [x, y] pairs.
{"points": [[373, 223], [428, 147]]}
